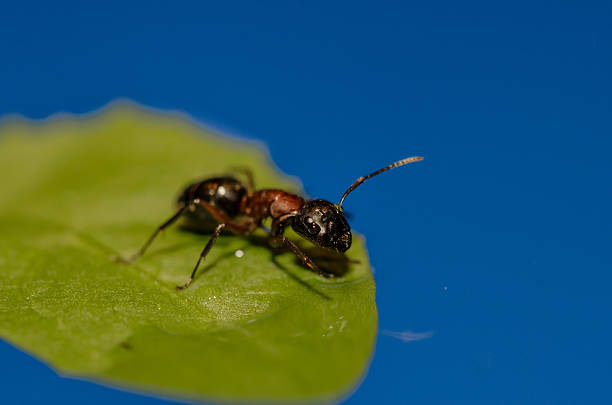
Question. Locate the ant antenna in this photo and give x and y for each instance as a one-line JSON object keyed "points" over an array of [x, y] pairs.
{"points": [[379, 171]]}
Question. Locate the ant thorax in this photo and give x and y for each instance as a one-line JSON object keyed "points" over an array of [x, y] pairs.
{"points": [[272, 203]]}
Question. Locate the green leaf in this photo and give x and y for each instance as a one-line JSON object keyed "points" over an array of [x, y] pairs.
{"points": [[76, 191]]}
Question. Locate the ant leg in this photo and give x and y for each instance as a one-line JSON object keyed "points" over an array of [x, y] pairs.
{"points": [[152, 237], [207, 248], [249, 175], [244, 228], [282, 240]]}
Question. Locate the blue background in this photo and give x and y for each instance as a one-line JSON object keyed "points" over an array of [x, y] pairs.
{"points": [[499, 242]]}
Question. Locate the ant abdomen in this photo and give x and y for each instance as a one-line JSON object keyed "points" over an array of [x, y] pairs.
{"points": [[223, 193]]}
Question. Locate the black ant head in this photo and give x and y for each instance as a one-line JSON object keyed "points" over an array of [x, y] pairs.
{"points": [[323, 223]]}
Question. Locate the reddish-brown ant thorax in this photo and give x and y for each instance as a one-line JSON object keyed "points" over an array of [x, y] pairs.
{"points": [[272, 203]]}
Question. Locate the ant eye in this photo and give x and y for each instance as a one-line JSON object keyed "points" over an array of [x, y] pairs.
{"points": [[311, 227]]}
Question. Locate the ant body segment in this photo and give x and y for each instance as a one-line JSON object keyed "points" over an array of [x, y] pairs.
{"points": [[240, 208]]}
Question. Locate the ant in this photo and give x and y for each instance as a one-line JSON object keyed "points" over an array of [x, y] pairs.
{"points": [[241, 209]]}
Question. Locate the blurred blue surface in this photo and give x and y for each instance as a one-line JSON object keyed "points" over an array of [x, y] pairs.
{"points": [[498, 243]]}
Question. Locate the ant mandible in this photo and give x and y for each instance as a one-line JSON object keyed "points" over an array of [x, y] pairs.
{"points": [[241, 209]]}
